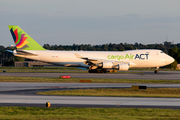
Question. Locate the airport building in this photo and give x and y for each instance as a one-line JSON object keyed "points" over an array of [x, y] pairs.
{"points": [[32, 64]]}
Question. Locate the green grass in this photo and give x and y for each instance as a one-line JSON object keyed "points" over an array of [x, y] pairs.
{"points": [[125, 92], [31, 113], [76, 80]]}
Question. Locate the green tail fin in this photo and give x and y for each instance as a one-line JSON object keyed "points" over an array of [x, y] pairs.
{"points": [[22, 40]]}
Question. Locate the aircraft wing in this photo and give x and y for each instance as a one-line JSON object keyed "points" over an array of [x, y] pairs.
{"points": [[88, 58]]}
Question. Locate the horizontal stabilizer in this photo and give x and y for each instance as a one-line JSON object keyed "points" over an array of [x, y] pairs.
{"points": [[11, 51], [21, 52]]}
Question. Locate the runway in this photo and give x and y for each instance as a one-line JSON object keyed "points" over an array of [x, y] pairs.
{"points": [[24, 94], [74, 101], [12, 86], [163, 75]]}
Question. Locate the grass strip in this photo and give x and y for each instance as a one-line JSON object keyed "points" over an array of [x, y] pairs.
{"points": [[76, 80], [125, 92], [31, 113]]}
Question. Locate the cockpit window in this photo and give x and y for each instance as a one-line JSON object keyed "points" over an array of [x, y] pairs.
{"points": [[162, 52]]}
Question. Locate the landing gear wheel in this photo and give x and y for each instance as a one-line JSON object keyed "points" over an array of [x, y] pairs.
{"points": [[90, 71], [93, 71], [104, 71], [156, 71], [97, 71]]}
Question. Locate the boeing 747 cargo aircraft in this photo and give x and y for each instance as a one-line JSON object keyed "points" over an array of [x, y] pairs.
{"points": [[95, 61]]}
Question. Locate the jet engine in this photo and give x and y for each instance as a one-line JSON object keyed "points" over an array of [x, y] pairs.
{"points": [[107, 64], [123, 67]]}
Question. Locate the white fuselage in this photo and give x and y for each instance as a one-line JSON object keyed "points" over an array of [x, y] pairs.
{"points": [[135, 58]]}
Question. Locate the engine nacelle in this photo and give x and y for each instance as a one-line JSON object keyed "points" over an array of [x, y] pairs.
{"points": [[107, 64], [123, 67]]}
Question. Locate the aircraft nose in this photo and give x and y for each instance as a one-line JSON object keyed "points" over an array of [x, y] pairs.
{"points": [[169, 59]]}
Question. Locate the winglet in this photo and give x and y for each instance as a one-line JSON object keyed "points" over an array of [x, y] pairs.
{"points": [[22, 40]]}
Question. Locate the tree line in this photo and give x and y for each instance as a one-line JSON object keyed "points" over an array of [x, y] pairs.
{"points": [[112, 47], [173, 50]]}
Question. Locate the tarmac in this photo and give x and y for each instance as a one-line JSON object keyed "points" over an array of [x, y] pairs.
{"points": [[162, 75], [24, 94]]}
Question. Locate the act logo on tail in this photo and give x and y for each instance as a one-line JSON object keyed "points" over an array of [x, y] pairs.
{"points": [[19, 39], [22, 40]]}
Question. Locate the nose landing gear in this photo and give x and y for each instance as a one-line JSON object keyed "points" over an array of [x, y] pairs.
{"points": [[156, 71]]}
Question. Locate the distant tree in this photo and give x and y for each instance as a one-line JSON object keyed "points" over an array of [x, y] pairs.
{"points": [[8, 62], [172, 65], [46, 46], [104, 47], [121, 49], [136, 44], [165, 50], [173, 52], [167, 44], [18, 58], [120, 46]]}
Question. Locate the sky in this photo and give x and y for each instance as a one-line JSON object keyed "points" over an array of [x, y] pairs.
{"points": [[67, 22]]}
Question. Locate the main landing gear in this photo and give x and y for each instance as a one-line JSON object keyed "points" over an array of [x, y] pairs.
{"points": [[156, 71], [97, 71]]}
